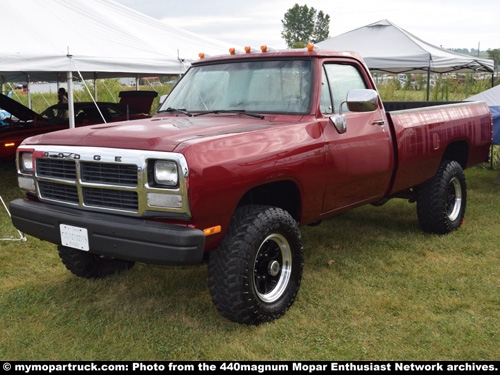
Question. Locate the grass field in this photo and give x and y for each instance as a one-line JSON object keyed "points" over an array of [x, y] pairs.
{"points": [[374, 288]]}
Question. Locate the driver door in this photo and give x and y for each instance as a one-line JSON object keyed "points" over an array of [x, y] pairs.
{"points": [[360, 159]]}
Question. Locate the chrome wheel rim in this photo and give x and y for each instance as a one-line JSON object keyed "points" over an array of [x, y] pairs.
{"points": [[272, 268], [453, 199]]}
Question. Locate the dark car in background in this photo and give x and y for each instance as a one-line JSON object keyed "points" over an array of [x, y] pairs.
{"points": [[24, 122]]}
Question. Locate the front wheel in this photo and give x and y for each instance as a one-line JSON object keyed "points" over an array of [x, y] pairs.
{"points": [[255, 274], [441, 202], [91, 266]]}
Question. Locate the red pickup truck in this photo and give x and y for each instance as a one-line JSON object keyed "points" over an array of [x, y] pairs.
{"points": [[247, 148]]}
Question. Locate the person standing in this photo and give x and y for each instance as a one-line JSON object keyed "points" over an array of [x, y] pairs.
{"points": [[62, 102]]}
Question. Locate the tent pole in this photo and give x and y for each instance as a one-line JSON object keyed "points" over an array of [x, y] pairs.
{"points": [[429, 79], [71, 107], [95, 86], [28, 91]]}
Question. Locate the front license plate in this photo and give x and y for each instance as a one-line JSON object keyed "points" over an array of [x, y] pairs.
{"points": [[74, 237]]}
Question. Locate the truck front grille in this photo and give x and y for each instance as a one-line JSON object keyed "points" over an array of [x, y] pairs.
{"points": [[118, 199], [55, 174], [59, 192], [54, 168], [113, 174], [107, 179]]}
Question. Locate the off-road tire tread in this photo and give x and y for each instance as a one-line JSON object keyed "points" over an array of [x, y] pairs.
{"points": [[91, 266], [431, 210], [229, 266]]}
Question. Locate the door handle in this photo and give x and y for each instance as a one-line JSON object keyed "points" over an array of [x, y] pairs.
{"points": [[378, 122]]}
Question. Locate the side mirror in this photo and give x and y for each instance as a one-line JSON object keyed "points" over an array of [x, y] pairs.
{"points": [[362, 100]]}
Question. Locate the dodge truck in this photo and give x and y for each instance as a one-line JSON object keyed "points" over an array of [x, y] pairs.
{"points": [[247, 148]]}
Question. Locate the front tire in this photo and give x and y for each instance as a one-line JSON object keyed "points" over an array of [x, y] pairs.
{"points": [[255, 274], [91, 266], [441, 202]]}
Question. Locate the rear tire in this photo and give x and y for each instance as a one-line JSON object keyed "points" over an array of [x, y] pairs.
{"points": [[91, 266], [441, 202], [255, 274]]}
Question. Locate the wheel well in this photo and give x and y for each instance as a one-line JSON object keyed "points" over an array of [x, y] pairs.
{"points": [[458, 151], [283, 194]]}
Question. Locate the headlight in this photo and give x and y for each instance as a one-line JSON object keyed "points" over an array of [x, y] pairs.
{"points": [[26, 162], [165, 173]]}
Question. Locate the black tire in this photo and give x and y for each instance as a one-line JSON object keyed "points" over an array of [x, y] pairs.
{"points": [[441, 202], [91, 266], [255, 274]]}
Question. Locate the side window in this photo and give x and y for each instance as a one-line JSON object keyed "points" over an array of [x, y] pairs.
{"points": [[337, 81]]}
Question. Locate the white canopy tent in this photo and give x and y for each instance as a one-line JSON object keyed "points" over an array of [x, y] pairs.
{"points": [[387, 48], [53, 40]]}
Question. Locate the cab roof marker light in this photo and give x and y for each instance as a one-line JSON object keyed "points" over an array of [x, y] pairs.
{"points": [[263, 48], [310, 47], [201, 55], [249, 49], [232, 50]]}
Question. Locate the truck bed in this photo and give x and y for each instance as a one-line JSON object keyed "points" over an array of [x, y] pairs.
{"points": [[425, 131]]}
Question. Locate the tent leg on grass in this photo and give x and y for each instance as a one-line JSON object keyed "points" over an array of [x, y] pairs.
{"points": [[22, 237]]}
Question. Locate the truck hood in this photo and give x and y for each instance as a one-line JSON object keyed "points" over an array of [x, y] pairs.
{"points": [[158, 133]]}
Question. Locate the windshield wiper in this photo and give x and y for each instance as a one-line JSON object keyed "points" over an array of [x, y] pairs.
{"points": [[180, 110], [242, 111]]}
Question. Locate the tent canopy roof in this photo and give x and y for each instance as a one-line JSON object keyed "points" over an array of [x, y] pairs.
{"points": [[387, 48], [98, 38], [490, 96]]}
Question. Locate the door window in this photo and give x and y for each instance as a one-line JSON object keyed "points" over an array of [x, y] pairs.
{"points": [[337, 81]]}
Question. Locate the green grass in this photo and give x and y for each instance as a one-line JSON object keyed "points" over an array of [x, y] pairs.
{"points": [[374, 288]]}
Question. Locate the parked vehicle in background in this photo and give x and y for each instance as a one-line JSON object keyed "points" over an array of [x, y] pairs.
{"points": [[246, 149], [22, 122]]}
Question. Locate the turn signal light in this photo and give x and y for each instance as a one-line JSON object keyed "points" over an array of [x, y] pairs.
{"points": [[212, 230]]}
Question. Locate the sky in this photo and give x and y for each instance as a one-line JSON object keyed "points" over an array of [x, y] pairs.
{"points": [[444, 23]]}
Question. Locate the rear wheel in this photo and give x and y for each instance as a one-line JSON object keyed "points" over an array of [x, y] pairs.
{"points": [[255, 274], [91, 266], [441, 202]]}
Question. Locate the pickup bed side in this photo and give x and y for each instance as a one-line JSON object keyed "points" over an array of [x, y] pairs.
{"points": [[425, 136]]}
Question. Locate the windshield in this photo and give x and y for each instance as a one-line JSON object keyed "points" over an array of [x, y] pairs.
{"points": [[281, 86]]}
